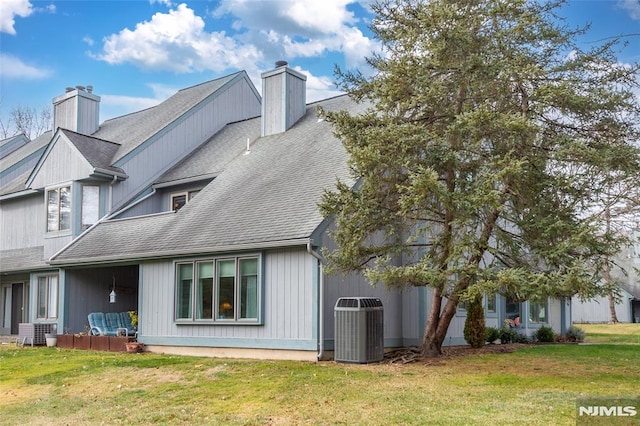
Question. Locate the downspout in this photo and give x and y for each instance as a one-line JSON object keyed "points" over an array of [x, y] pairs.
{"points": [[320, 299]]}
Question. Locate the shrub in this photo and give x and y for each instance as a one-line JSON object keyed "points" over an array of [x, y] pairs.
{"points": [[507, 335], [492, 334], [575, 334], [521, 338], [545, 334], [474, 327]]}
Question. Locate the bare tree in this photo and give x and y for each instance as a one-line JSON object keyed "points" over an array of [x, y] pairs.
{"points": [[28, 120]]}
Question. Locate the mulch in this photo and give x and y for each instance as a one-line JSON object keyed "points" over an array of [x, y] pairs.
{"points": [[412, 354]]}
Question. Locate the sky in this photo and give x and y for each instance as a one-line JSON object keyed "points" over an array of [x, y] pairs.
{"points": [[136, 53]]}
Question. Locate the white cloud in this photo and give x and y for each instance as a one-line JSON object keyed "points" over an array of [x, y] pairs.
{"points": [[88, 40], [176, 41], [632, 6], [118, 105], [13, 68], [9, 9], [303, 28]]}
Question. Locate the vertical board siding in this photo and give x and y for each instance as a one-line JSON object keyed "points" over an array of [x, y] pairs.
{"points": [[65, 114], [88, 120], [63, 164], [288, 302], [22, 222], [296, 99], [272, 104], [236, 103]]}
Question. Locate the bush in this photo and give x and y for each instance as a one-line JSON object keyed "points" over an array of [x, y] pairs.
{"points": [[491, 334], [545, 334], [474, 327], [575, 334], [507, 335], [521, 338]]}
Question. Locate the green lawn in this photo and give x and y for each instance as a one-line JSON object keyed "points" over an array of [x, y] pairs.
{"points": [[533, 385], [612, 333]]}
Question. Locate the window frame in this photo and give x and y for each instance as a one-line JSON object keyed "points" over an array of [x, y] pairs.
{"points": [[197, 309], [48, 293], [83, 206], [58, 214], [188, 196], [545, 304]]}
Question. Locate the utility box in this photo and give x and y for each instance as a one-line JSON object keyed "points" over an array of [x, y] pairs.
{"points": [[33, 333], [359, 330]]}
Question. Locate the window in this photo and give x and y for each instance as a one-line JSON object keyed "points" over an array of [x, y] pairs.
{"points": [[178, 200], [90, 205], [538, 311], [491, 304], [59, 209], [513, 312], [222, 290], [47, 297]]}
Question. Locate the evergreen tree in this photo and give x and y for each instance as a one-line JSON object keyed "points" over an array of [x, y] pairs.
{"points": [[489, 139], [474, 326]]}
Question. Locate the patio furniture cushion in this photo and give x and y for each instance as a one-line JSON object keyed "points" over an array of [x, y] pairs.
{"points": [[98, 325], [125, 322]]}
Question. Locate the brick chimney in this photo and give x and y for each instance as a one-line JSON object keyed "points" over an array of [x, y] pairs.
{"points": [[77, 110], [284, 98]]}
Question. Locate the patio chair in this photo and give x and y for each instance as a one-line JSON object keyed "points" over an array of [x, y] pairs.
{"points": [[99, 326], [113, 324], [125, 322]]}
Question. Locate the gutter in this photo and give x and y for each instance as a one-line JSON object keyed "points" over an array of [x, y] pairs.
{"points": [[321, 262]]}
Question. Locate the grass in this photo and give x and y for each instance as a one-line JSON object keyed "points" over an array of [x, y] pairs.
{"points": [[624, 333], [533, 385]]}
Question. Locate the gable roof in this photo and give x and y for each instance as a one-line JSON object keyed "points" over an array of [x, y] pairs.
{"points": [[98, 153], [16, 167], [8, 145], [132, 130], [266, 198]]}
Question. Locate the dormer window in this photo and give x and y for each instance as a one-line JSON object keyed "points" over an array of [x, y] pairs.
{"points": [[59, 209], [178, 200]]}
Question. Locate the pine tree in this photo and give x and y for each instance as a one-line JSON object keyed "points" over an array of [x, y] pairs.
{"points": [[488, 141], [474, 326]]}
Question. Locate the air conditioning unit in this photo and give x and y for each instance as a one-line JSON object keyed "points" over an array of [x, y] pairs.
{"points": [[359, 330]]}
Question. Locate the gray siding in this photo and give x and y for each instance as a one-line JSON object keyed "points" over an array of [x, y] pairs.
{"points": [[597, 310], [283, 100], [147, 162], [22, 222], [63, 164], [289, 312], [77, 111]]}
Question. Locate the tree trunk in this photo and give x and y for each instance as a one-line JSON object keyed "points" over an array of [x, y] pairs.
{"points": [[437, 326], [612, 309]]}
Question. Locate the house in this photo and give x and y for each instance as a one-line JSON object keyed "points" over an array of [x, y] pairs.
{"points": [[627, 307], [201, 214]]}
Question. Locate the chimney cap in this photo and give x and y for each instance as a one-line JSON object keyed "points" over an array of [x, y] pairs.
{"points": [[281, 64], [81, 88], [90, 88], [69, 89]]}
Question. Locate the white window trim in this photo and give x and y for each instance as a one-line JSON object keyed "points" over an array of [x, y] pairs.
{"points": [[46, 209], [47, 297]]}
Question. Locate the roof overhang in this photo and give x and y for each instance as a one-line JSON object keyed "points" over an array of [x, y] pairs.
{"points": [[19, 194], [192, 179], [171, 254]]}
